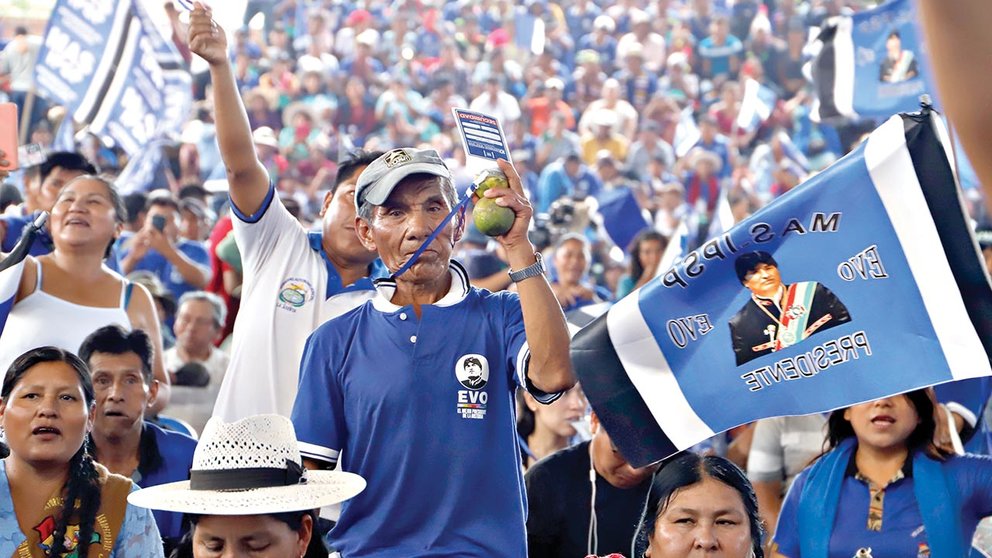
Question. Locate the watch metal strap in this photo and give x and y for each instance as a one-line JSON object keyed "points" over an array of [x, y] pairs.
{"points": [[533, 270]]}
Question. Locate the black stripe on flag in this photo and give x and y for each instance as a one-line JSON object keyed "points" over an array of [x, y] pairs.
{"points": [[933, 170], [614, 398], [824, 69]]}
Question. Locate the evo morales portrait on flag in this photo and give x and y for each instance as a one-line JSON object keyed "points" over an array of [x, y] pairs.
{"points": [[860, 283], [779, 315]]}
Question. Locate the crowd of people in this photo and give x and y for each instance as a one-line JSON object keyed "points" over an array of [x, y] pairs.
{"points": [[237, 334]]}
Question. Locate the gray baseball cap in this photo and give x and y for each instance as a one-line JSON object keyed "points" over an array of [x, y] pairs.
{"points": [[382, 175]]}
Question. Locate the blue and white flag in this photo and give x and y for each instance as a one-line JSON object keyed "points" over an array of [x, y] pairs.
{"points": [[620, 216], [870, 64], [108, 64], [861, 283], [141, 174], [756, 106], [686, 133]]}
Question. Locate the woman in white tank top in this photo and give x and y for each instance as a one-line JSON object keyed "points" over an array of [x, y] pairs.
{"points": [[66, 295]]}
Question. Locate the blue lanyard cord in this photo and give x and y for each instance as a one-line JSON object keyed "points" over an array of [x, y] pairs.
{"points": [[459, 209]]}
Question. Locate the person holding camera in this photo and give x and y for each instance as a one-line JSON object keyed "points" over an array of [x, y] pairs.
{"points": [[182, 265]]}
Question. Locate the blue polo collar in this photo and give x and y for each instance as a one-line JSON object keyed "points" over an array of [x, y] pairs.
{"points": [[334, 286]]}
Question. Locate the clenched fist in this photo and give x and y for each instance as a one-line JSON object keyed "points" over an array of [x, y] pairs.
{"points": [[206, 38]]}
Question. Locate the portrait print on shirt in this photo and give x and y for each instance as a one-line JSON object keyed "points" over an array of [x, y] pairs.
{"points": [[779, 315], [472, 371]]}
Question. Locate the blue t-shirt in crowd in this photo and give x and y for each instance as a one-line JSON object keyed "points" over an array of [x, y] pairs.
{"points": [[902, 532], [16, 225], [176, 450], [157, 264], [555, 183], [719, 55], [423, 409]]}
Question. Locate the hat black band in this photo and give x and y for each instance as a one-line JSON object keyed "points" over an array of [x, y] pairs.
{"points": [[246, 479]]}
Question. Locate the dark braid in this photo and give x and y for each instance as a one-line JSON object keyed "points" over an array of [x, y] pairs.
{"points": [[84, 485]]}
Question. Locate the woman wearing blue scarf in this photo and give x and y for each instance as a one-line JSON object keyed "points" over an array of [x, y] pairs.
{"points": [[884, 489]]}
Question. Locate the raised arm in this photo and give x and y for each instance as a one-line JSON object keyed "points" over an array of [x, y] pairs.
{"points": [[249, 182], [550, 368], [959, 42]]}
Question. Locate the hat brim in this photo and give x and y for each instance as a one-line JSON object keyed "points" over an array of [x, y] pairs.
{"points": [[378, 192], [323, 488]]}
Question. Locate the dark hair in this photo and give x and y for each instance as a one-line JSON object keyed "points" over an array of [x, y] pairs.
{"points": [[20, 30], [351, 165], [647, 235], [134, 203], [894, 34], [687, 469], [746, 263], [120, 210], [114, 340], [472, 360], [294, 520], [921, 439], [162, 198], [526, 423], [67, 160], [83, 483]]}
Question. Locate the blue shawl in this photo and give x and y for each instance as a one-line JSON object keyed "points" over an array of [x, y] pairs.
{"points": [[820, 499]]}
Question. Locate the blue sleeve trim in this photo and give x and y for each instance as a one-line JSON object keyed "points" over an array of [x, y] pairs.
{"points": [[261, 210]]}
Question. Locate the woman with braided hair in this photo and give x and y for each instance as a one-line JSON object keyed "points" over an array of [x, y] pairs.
{"points": [[55, 501]]}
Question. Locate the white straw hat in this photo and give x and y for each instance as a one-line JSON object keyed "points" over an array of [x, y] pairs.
{"points": [[249, 467]]}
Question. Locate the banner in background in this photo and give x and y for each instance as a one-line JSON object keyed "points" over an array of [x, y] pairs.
{"points": [[870, 64], [106, 62], [862, 282]]}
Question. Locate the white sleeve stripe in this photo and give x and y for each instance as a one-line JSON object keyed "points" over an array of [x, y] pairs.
{"points": [[523, 361], [318, 452], [523, 365], [962, 411]]}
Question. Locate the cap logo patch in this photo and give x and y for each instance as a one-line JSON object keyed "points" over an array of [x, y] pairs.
{"points": [[396, 158]]}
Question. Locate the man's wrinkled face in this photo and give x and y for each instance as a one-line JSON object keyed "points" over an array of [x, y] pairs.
{"points": [[403, 222]]}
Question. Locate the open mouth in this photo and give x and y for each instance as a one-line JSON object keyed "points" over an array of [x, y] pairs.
{"points": [[883, 420], [77, 222], [114, 414], [46, 431]]}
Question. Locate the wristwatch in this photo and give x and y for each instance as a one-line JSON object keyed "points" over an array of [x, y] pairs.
{"points": [[533, 270]]}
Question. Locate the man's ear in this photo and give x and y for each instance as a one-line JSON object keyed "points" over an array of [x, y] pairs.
{"points": [[152, 393], [459, 226], [327, 201], [364, 232]]}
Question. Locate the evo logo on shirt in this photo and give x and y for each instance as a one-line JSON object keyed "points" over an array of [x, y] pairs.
{"points": [[294, 293], [472, 372]]}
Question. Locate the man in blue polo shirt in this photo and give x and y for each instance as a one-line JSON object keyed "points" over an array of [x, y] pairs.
{"points": [[122, 441], [415, 387]]}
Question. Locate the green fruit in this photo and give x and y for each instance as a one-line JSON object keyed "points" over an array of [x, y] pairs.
{"points": [[491, 178], [492, 219]]}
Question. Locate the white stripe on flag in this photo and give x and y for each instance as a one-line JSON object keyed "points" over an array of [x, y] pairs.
{"points": [[674, 250], [121, 78], [844, 68], [892, 172], [642, 359], [92, 97]]}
